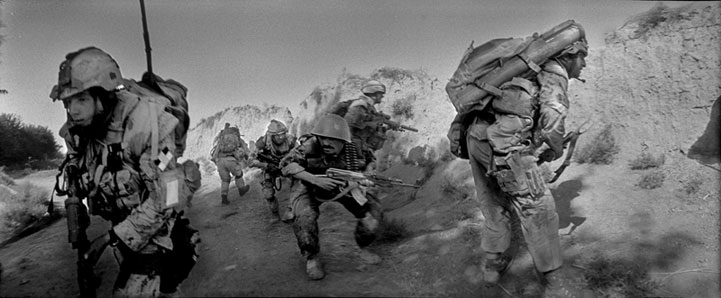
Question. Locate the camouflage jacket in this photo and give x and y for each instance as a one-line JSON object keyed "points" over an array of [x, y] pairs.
{"points": [[553, 106], [138, 191]]}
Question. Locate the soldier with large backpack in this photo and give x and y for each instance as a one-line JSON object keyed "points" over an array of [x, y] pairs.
{"points": [[123, 140], [506, 130], [229, 150]]}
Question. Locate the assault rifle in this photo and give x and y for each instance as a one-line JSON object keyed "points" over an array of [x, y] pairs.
{"points": [[392, 125], [397, 126], [354, 180], [78, 221], [272, 161], [365, 179], [569, 141]]}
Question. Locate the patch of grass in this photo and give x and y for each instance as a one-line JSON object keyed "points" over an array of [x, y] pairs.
{"points": [[601, 150], [403, 107], [392, 230], [651, 180], [692, 186], [618, 278], [27, 205], [393, 73], [646, 161], [455, 187], [657, 15]]}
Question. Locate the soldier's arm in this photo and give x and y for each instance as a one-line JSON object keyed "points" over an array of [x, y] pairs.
{"points": [[553, 109], [149, 217], [356, 116]]}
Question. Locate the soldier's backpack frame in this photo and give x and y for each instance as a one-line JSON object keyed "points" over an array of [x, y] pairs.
{"points": [[483, 69]]}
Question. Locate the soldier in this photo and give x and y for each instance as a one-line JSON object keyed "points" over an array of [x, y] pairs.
{"points": [[365, 122], [328, 146], [122, 148], [491, 150], [227, 154], [270, 149]]}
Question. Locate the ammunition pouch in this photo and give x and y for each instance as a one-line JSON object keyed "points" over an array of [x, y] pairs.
{"points": [[518, 175]]}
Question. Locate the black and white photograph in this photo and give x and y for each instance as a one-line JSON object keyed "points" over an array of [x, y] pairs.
{"points": [[360, 148]]}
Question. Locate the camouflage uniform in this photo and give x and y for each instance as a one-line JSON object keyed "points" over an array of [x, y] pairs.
{"points": [[367, 133], [307, 198], [136, 195], [230, 163], [265, 145], [537, 212]]}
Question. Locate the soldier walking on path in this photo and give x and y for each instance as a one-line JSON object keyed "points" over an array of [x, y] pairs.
{"points": [[228, 153]]}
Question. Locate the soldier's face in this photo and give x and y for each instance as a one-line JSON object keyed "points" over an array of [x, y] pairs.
{"points": [[576, 65], [81, 109], [331, 146], [278, 139]]}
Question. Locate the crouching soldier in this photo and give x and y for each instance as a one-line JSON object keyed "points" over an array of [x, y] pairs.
{"points": [[270, 149], [122, 147], [328, 146]]}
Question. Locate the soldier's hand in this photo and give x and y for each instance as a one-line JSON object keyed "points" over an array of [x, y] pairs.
{"points": [[96, 249], [327, 183]]}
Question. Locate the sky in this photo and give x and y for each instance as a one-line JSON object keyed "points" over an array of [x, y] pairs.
{"points": [[233, 53]]}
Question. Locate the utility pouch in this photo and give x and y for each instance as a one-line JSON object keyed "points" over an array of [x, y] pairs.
{"points": [[518, 175]]}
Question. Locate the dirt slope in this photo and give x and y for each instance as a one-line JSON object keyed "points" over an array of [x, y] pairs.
{"points": [[602, 213]]}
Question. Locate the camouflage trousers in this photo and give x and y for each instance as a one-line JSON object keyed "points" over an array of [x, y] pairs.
{"points": [[537, 214], [306, 210], [268, 189], [226, 166]]}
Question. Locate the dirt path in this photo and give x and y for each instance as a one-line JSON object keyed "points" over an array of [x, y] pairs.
{"points": [[674, 238]]}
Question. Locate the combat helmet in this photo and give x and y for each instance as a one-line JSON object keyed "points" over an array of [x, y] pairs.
{"points": [[86, 68], [373, 86], [332, 126], [276, 127], [579, 46]]}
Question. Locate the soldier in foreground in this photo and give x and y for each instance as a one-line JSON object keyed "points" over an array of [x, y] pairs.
{"points": [[227, 154], [122, 149], [270, 149], [496, 156], [328, 147]]}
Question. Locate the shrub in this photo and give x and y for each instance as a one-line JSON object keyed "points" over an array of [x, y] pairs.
{"points": [[393, 73], [651, 180], [601, 149], [646, 161], [403, 107], [692, 186], [28, 205], [618, 278], [392, 230]]}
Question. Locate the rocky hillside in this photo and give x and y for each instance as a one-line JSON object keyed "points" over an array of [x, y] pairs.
{"points": [[413, 98], [252, 121], [655, 81]]}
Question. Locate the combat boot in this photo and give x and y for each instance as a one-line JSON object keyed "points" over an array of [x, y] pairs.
{"points": [[314, 269], [243, 189], [224, 199], [493, 269], [564, 283]]}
